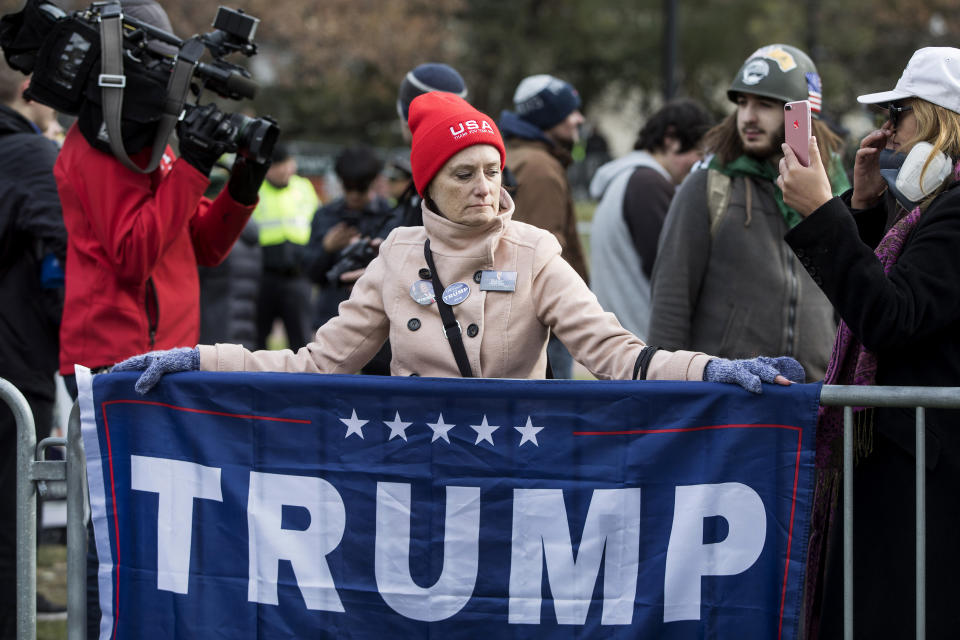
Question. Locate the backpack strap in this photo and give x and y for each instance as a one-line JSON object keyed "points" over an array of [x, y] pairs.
{"points": [[718, 196]]}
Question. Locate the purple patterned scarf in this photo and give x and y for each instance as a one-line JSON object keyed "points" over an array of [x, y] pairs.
{"points": [[850, 363]]}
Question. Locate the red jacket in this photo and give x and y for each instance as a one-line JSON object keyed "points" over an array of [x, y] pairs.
{"points": [[134, 244]]}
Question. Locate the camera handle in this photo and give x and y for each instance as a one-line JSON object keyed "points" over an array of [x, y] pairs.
{"points": [[112, 82]]}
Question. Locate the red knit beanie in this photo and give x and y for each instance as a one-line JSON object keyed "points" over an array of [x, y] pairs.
{"points": [[443, 124]]}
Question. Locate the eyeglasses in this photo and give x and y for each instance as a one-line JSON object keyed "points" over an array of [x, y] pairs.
{"points": [[896, 113]]}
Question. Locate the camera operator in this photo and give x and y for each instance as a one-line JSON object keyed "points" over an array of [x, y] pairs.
{"points": [[135, 239], [345, 234], [345, 237]]}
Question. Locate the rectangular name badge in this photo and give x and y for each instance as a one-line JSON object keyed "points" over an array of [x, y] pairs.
{"points": [[498, 281]]}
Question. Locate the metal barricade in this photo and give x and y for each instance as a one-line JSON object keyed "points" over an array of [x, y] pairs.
{"points": [[921, 398], [48, 479], [35, 475]]}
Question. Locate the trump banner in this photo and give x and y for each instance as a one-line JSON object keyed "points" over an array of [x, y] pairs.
{"points": [[268, 505]]}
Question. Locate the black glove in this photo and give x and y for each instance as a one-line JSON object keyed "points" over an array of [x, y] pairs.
{"points": [[205, 134], [246, 176]]}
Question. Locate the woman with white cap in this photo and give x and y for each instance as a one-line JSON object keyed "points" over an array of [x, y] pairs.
{"points": [[471, 292], [887, 255]]}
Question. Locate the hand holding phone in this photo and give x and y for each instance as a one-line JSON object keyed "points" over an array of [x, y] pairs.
{"points": [[796, 129]]}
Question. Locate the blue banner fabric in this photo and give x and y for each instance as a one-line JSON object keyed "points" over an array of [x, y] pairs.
{"points": [[259, 505]]}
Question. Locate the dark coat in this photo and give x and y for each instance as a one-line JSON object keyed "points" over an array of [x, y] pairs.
{"points": [[228, 293], [31, 227], [910, 318], [377, 220]]}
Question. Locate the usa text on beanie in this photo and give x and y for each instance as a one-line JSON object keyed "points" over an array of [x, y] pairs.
{"points": [[442, 124], [544, 101]]}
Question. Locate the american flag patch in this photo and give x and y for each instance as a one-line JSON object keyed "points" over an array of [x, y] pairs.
{"points": [[813, 91]]}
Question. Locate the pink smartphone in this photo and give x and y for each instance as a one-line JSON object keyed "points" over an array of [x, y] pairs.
{"points": [[796, 129]]}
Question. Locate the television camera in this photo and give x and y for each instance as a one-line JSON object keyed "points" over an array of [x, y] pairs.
{"points": [[127, 71]]}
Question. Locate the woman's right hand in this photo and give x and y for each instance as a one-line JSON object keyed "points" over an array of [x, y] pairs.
{"points": [[868, 184]]}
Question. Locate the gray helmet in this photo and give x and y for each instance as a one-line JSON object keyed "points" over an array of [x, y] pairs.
{"points": [[779, 71]]}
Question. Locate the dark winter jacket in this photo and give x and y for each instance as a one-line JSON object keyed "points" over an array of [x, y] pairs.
{"points": [[910, 320], [733, 288], [31, 227], [377, 220], [228, 293]]}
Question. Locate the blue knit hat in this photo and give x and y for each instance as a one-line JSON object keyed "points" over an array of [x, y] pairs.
{"points": [[430, 76], [544, 101]]}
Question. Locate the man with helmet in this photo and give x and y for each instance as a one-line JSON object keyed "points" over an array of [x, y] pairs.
{"points": [[724, 281]]}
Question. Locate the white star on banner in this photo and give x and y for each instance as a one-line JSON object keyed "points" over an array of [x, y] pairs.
{"points": [[529, 433], [440, 429], [398, 428], [484, 431], [354, 425]]}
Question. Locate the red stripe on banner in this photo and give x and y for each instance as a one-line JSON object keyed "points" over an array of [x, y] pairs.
{"points": [[207, 412], [793, 509], [629, 432], [116, 525], [113, 490], [796, 479]]}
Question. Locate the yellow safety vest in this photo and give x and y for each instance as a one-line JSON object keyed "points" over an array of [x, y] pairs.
{"points": [[284, 215]]}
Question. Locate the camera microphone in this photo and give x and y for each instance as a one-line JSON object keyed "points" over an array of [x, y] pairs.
{"points": [[232, 84]]}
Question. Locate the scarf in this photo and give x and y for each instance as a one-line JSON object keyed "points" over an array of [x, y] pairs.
{"points": [[749, 166]]}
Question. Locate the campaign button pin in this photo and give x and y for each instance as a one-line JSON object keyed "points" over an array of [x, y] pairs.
{"points": [[422, 292], [456, 293], [498, 281]]}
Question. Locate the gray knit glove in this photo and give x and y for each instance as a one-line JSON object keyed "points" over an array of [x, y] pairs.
{"points": [[157, 363], [749, 373]]}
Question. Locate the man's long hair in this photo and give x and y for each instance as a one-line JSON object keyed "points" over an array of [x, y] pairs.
{"points": [[724, 141]]}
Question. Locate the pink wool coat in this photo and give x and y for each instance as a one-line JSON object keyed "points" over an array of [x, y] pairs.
{"points": [[504, 333]]}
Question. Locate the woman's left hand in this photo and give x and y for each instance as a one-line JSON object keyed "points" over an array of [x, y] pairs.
{"points": [[805, 189], [751, 372]]}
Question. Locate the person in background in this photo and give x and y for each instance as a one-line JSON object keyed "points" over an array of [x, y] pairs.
{"points": [[429, 76], [283, 217], [399, 177], [524, 291], [230, 291], [345, 237], [886, 255], [724, 281], [540, 134], [33, 244], [635, 192]]}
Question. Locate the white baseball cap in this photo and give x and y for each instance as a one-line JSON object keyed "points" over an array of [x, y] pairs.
{"points": [[933, 74]]}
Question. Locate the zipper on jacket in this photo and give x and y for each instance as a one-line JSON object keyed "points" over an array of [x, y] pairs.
{"points": [[152, 306]]}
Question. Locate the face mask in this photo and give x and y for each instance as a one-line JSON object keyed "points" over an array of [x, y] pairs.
{"points": [[905, 183]]}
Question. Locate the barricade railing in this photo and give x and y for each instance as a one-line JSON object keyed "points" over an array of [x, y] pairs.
{"points": [[921, 398], [53, 479], [67, 478]]}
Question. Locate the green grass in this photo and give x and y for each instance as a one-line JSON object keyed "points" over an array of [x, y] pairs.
{"points": [[52, 582]]}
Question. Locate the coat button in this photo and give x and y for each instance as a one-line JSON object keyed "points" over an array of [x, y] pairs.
{"points": [[424, 274], [800, 252], [413, 324], [478, 276], [473, 330]]}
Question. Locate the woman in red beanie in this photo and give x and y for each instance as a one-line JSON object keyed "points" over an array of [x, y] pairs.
{"points": [[471, 292]]}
